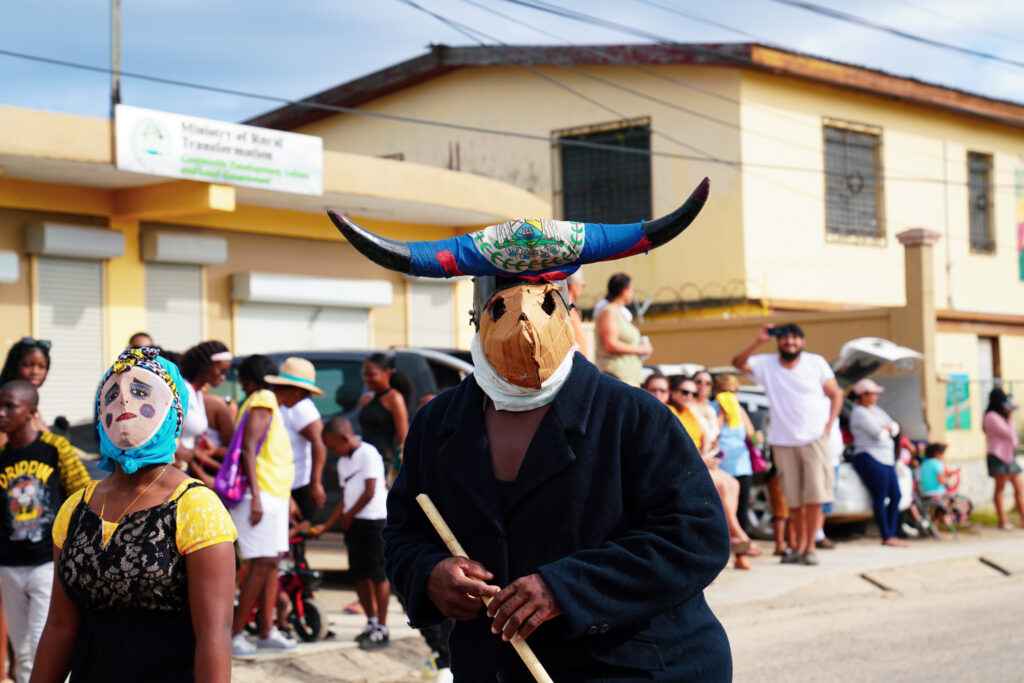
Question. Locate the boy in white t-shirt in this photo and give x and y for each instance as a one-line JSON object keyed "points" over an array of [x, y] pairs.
{"points": [[362, 513]]}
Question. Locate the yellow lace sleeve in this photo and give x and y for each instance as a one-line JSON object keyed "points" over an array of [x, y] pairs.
{"points": [[60, 524], [202, 520]]}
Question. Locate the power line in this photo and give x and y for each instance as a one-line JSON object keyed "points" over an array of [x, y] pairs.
{"points": [[883, 28], [961, 22], [551, 140], [468, 32], [636, 67]]}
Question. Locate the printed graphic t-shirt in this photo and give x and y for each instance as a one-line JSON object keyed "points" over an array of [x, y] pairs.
{"points": [[353, 471], [35, 481]]}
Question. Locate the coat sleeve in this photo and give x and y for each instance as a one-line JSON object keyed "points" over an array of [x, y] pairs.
{"points": [[675, 543], [411, 546]]}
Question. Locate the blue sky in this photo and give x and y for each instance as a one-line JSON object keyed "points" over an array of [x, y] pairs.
{"points": [[294, 49]]}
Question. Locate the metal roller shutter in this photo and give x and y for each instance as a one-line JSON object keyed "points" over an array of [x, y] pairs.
{"points": [[174, 309], [431, 319], [70, 315], [264, 328]]}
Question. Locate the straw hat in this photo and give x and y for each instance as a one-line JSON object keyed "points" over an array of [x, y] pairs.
{"points": [[296, 372]]}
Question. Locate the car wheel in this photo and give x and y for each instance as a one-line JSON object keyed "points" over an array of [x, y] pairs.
{"points": [[759, 513]]}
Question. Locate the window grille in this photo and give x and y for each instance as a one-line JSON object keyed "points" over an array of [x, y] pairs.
{"points": [[979, 190], [603, 185], [853, 194]]}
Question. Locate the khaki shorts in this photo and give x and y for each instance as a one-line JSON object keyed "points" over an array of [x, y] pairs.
{"points": [[805, 472]]}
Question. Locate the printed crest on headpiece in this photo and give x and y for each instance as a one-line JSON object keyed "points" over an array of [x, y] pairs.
{"points": [[522, 245]]}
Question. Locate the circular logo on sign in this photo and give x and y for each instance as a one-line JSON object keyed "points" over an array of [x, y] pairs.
{"points": [[151, 142]]}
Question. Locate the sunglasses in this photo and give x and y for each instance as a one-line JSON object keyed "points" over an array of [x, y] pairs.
{"points": [[43, 344], [684, 392]]}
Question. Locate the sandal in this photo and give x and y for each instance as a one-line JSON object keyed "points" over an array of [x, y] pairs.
{"points": [[754, 550], [740, 547]]}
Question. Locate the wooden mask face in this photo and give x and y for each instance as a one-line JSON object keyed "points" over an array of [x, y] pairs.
{"points": [[526, 333], [133, 406]]}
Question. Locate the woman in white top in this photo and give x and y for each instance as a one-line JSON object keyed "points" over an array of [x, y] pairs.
{"points": [[706, 414], [203, 365], [875, 457]]}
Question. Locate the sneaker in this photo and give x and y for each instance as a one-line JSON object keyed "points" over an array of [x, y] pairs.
{"points": [[365, 634], [791, 557], [808, 558], [241, 646], [276, 640], [378, 640]]}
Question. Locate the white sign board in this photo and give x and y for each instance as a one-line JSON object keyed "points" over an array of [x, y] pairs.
{"points": [[175, 146]]}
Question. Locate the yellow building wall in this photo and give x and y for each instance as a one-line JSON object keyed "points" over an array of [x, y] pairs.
{"points": [[259, 253], [958, 355], [924, 162], [706, 263], [762, 234]]}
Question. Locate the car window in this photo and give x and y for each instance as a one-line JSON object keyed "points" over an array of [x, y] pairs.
{"points": [[342, 383]]}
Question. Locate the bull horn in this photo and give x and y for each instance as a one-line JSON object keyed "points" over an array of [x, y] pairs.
{"points": [[661, 230], [391, 254], [487, 252]]}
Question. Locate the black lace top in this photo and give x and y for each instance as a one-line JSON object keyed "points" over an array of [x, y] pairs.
{"points": [[132, 595]]}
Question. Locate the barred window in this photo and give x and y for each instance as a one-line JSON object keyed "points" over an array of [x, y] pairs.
{"points": [[604, 185], [853, 196], [979, 192]]}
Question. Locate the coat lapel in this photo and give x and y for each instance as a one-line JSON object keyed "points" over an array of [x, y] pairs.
{"points": [[464, 453]]}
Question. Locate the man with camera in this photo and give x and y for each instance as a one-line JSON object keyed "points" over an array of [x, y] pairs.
{"points": [[804, 400]]}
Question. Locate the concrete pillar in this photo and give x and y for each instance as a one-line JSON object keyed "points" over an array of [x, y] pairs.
{"points": [[915, 325]]}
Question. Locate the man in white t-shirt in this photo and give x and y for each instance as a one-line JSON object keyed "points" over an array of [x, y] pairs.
{"points": [[804, 400], [293, 387], [362, 514]]}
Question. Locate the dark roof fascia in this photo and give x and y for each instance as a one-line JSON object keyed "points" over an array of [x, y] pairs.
{"points": [[442, 59]]}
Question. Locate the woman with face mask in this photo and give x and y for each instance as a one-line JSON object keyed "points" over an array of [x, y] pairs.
{"points": [[144, 580]]}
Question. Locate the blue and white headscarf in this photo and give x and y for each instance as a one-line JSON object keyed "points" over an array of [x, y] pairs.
{"points": [[159, 449]]}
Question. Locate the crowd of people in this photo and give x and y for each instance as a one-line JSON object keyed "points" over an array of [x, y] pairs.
{"points": [[71, 604], [68, 597]]}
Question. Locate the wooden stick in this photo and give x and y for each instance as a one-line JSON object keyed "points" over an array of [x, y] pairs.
{"points": [[456, 549]]}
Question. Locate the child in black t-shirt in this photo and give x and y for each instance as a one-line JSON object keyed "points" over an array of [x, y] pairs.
{"points": [[38, 470]]}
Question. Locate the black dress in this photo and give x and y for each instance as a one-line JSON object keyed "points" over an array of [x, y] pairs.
{"points": [[378, 426], [132, 595]]}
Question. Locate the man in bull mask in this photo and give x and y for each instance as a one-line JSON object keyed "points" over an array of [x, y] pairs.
{"points": [[589, 514]]}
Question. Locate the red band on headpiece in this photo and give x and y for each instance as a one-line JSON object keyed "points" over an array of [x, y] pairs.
{"points": [[447, 261], [643, 246]]}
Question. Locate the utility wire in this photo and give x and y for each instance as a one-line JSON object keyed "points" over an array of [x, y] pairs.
{"points": [[551, 140], [651, 72], [883, 28], [961, 22], [505, 51]]}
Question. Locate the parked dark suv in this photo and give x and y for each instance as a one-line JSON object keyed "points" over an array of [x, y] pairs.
{"points": [[340, 375]]}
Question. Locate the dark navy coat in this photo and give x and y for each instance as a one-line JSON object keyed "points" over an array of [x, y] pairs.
{"points": [[612, 505]]}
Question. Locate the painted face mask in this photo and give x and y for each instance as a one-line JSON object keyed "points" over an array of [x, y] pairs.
{"points": [[133, 405], [526, 333], [140, 406]]}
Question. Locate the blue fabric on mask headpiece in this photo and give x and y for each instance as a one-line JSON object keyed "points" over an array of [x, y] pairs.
{"points": [[160, 448]]}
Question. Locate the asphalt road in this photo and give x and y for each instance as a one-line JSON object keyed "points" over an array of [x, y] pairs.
{"points": [[966, 631]]}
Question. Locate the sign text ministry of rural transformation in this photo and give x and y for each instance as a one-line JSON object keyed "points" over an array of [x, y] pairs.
{"points": [[191, 148]]}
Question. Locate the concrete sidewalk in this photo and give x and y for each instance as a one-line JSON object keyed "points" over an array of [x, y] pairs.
{"points": [[855, 567], [865, 565]]}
